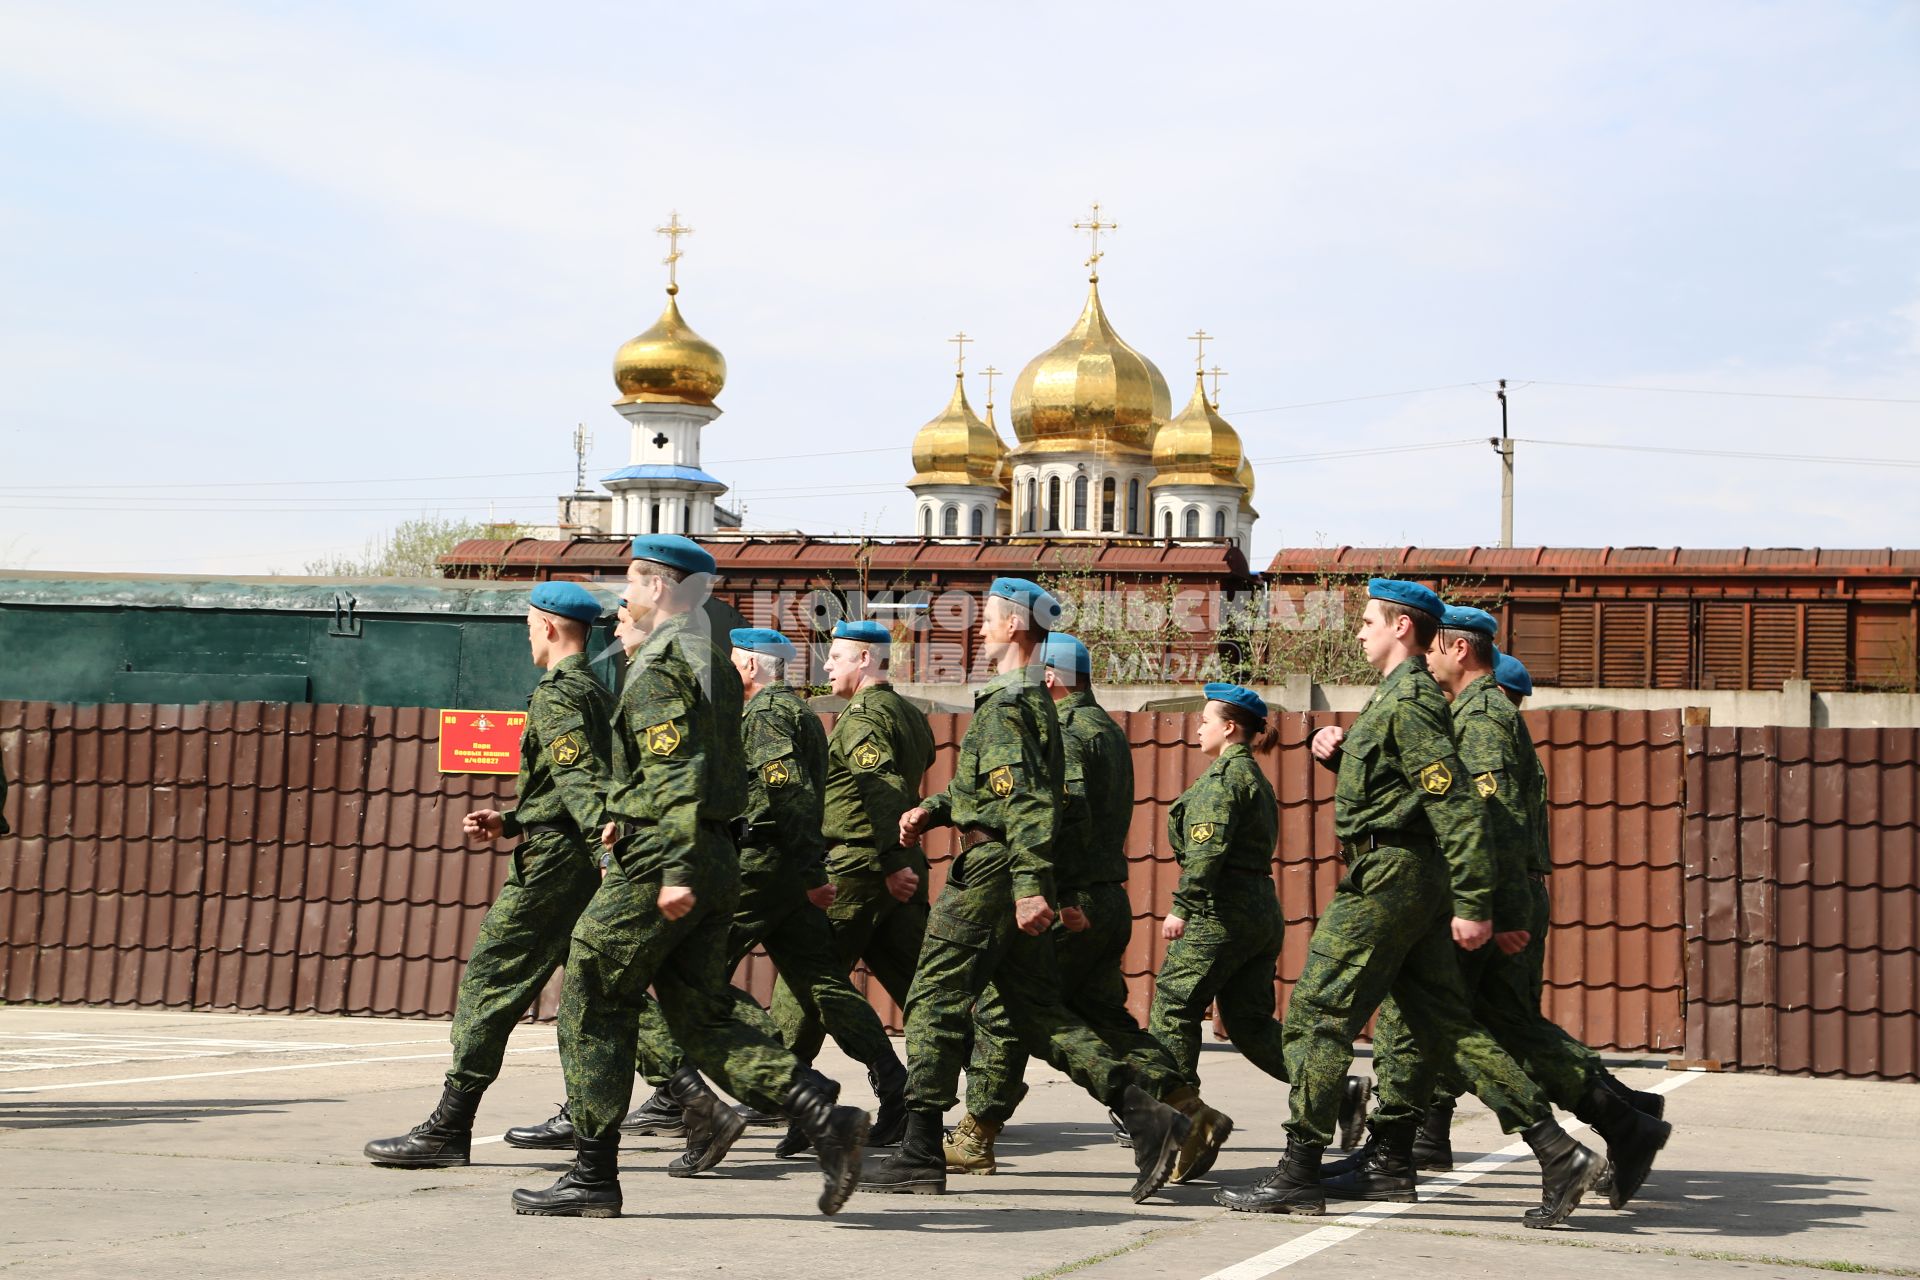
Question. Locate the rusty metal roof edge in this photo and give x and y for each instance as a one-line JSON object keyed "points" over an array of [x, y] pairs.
{"points": [[222, 591], [1588, 561]]}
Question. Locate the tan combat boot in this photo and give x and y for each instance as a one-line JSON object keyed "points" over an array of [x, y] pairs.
{"points": [[1204, 1139], [969, 1147]]}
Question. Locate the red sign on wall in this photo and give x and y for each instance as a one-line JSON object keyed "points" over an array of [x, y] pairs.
{"points": [[481, 741]]}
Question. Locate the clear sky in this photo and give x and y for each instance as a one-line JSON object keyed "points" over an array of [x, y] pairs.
{"points": [[388, 245]]}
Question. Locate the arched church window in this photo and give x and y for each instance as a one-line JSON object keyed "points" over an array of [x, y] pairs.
{"points": [[1193, 522], [1109, 498], [1031, 514], [1053, 503], [950, 521], [976, 524], [1079, 504], [926, 522], [1220, 523], [1166, 524], [1133, 506], [654, 519]]}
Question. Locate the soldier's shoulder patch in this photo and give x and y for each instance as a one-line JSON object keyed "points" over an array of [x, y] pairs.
{"points": [[866, 755], [1000, 781], [1486, 784], [1436, 779], [776, 773], [664, 738], [568, 748], [1200, 832]]}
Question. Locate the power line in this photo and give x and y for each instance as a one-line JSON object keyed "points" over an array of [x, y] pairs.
{"points": [[1380, 395], [1711, 391], [1751, 455]]}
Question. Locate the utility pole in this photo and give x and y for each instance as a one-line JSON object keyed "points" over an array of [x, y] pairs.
{"points": [[1504, 447]]}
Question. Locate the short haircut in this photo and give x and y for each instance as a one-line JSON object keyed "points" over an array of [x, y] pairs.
{"points": [[1425, 625], [572, 628], [1479, 643]]}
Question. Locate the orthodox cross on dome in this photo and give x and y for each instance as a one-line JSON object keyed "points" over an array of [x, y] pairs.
{"points": [[960, 341], [989, 373], [673, 231], [1216, 373], [1093, 227], [1200, 338]]}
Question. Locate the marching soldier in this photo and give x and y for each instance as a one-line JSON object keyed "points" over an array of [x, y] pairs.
{"points": [[559, 798], [876, 894], [1418, 880], [989, 923], [661, 915], [1090, 939]]}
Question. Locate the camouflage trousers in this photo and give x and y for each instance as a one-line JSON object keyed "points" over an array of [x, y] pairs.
{"points": [[774, 913], [1387, 933], [971, 943], [1230, 953], [866, 923], [1093, 988], [522, 940], [621, 945], [1506, 999]]}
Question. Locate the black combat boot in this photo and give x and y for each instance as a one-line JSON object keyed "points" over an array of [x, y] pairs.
{"points": [[659, 1116], [758, 1119], [1632, 1136], [712, 1126], [1157, 1131], [889, 1081], [591, 1189], [1433, 1145], [919, 1166], [1355, 1096], [441, 1141], [1652, 1104], [555, 1135], [838, 1134], [1567, 1172], [795, 1140], [1387, 1173], [1293, 1187], [1120, 1135]]}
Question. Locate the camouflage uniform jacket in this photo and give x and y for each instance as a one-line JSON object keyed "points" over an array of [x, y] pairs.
{"points": [[1007, 779], [786, 770], [1091, 847], [564, 753], [1226, 823], [1401, 780], [677, 758], [878, 753], [1539, 817], [1488, 729]]}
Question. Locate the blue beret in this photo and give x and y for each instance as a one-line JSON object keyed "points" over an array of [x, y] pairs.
{"points": [[1068, 654], [1460, 617], [762, 640], [864, 632], [568, 600], [673, 551], [1511, 673], [1037, 599], [1410, 594], [1237, 696]]}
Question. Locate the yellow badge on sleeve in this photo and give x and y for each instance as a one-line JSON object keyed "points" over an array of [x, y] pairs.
{"points": [[1435, 779], [866, 756], [1486, 784], [662, 739], [776, 773], [1200, 832], [567, 748], [1000, 781]]}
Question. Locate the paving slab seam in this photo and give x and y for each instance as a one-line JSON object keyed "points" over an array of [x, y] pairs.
{"points": [[1346, 1228], [249, 1071]]}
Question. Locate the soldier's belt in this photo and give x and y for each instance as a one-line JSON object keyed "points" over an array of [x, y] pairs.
{"points": [[736, 828], [983, 835], [1368, 841], [552, 828]]}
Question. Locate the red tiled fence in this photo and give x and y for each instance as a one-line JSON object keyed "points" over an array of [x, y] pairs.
{"points": [[309, 859]]}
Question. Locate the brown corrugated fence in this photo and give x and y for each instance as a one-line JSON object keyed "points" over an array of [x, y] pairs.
{"points": [[293, 858]]}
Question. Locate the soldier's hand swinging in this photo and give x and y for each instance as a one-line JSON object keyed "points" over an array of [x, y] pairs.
{"points": [[1327, 741], [610, 834], [675, 901], [483, 823], [1173, 928], [912, 823], [1472, 935], [1074, 918], [1033, 915], [823, 896], [1512, 942], [902, 883]]}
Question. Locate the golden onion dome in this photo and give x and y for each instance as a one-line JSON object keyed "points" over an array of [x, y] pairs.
{"points": [[1245, 477], [1198, 447], [1089, 391], [958, 448], [669, 363]]}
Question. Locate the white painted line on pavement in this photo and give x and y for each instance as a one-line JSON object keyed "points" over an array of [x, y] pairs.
{"points": [[1345, 1228], [249, 1071]]}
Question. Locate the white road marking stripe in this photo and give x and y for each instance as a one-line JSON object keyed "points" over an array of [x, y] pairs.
{"points": [[249, 1071], [1342, 1229]]}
